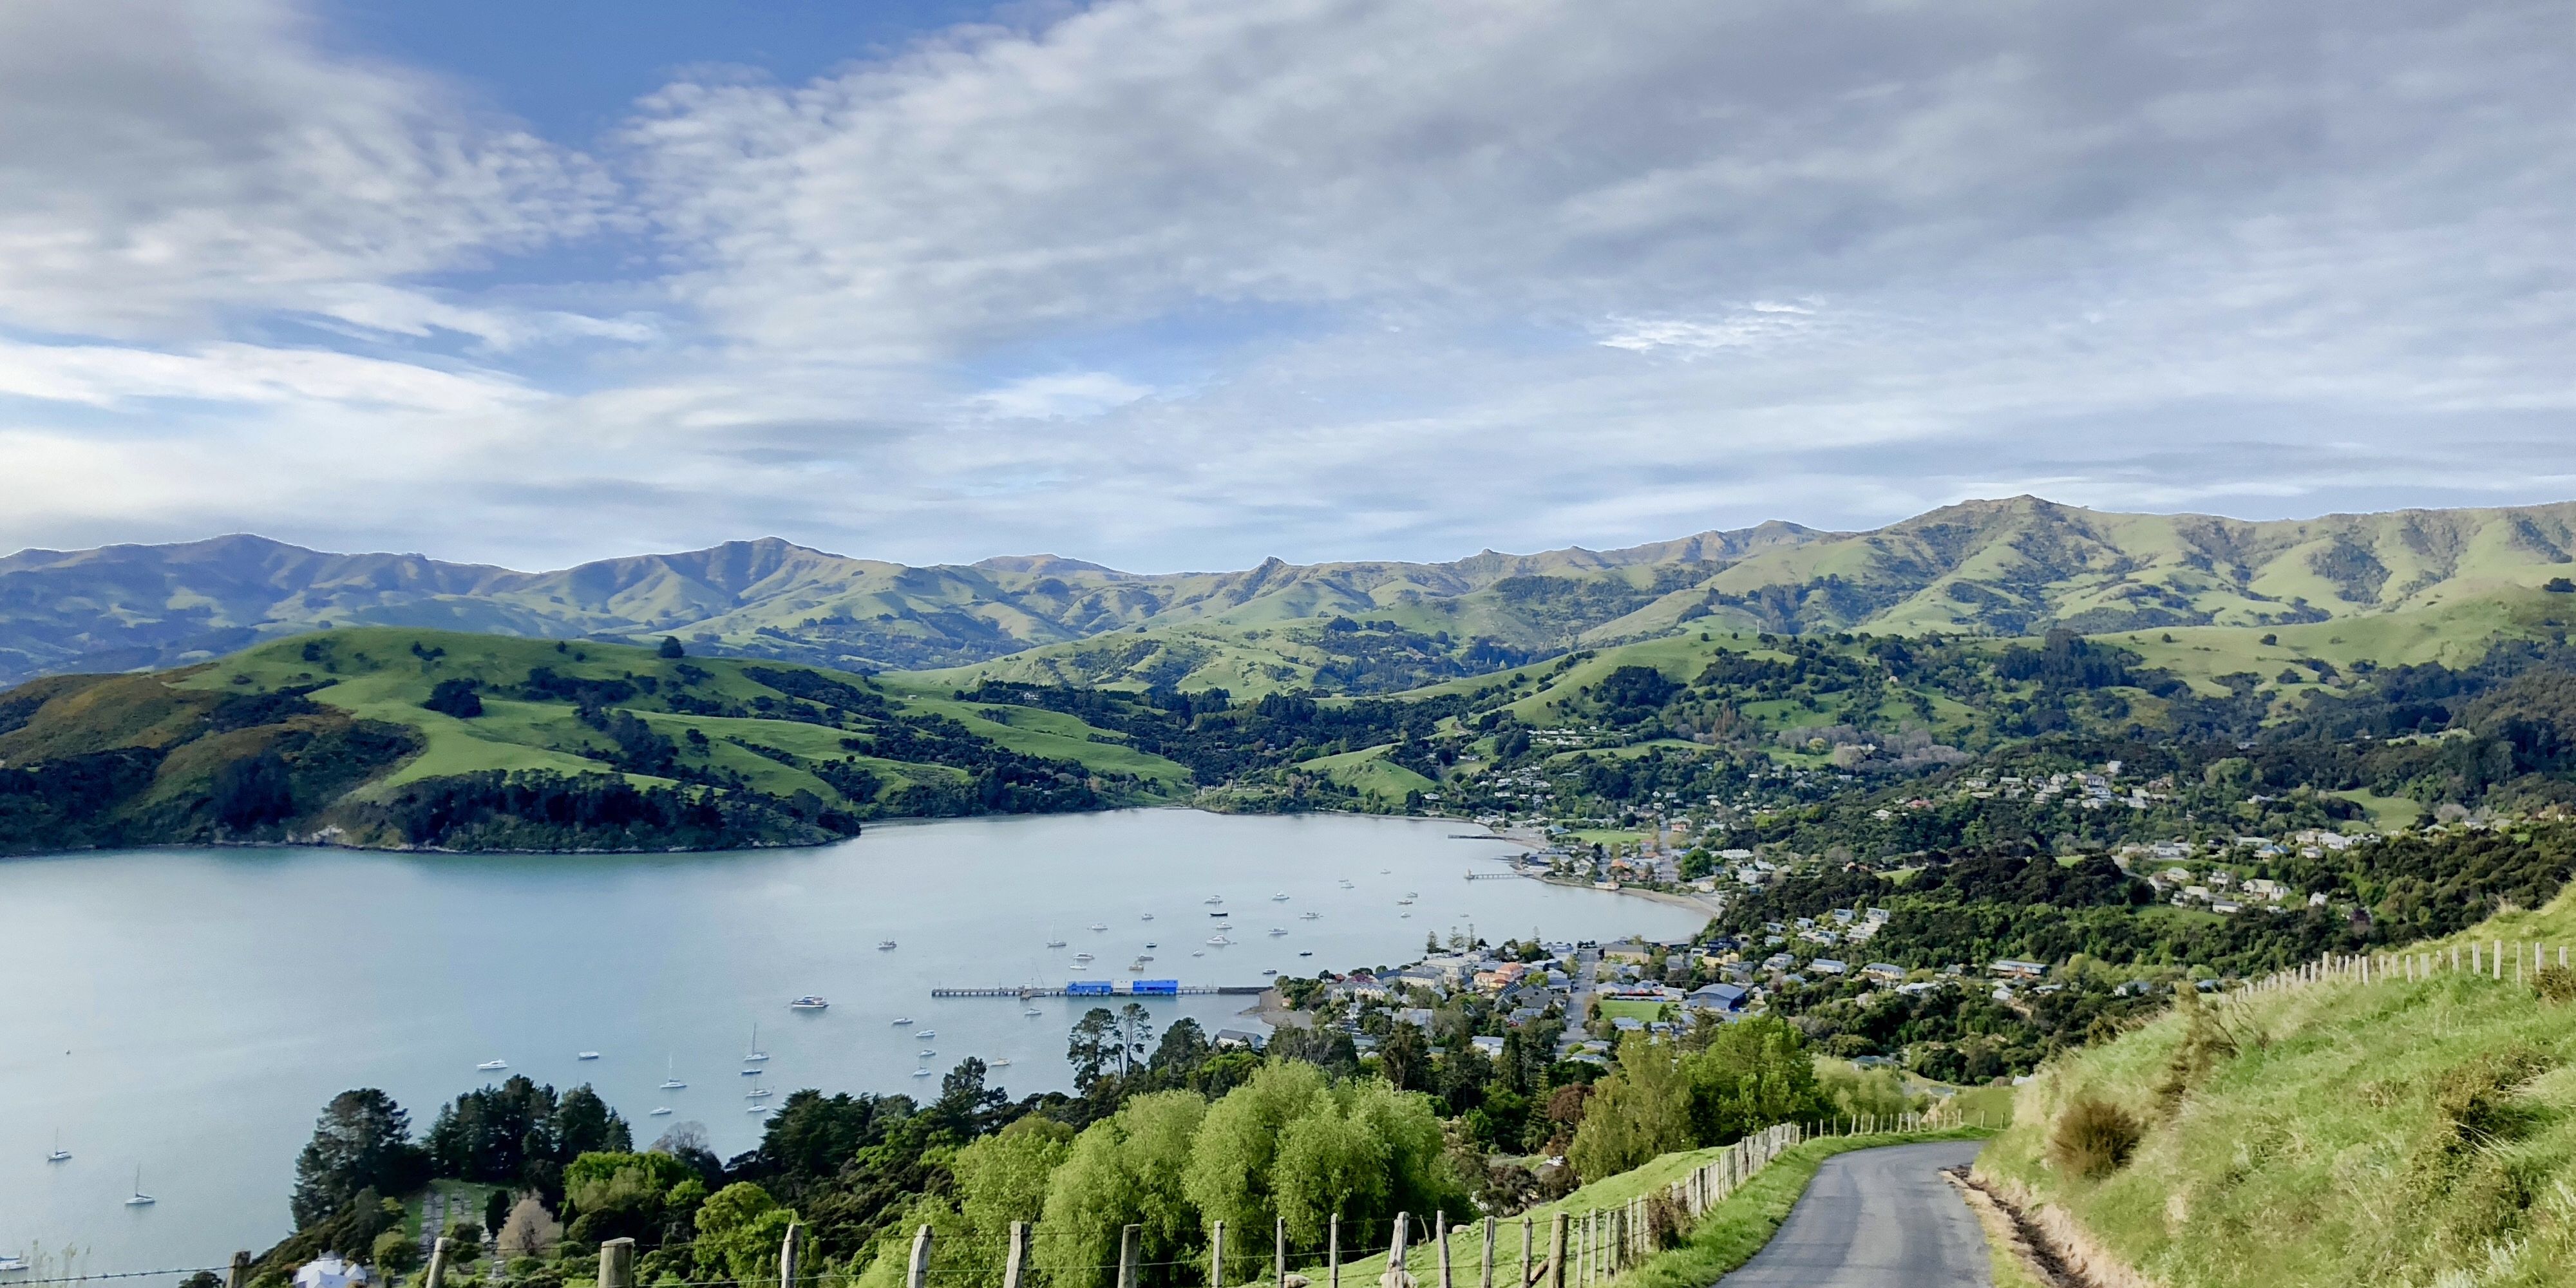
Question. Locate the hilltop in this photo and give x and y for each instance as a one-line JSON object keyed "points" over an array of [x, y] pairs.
{"points": [[2019, 566]]}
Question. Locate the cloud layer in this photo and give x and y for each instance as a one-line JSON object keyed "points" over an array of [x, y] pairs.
{"points": [[1186, 282]]}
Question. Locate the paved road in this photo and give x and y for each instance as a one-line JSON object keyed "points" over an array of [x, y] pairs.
{"points": [[1877, 1218]]}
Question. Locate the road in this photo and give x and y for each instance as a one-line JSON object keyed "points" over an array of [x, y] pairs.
{"points": [[1877, 1218]]}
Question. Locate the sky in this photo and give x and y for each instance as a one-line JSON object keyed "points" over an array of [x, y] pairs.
{"points": [[1173, 284]]}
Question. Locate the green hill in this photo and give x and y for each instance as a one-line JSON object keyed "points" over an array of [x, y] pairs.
{"points": [[387, 736], [2399, 1132], [2010, 567]]}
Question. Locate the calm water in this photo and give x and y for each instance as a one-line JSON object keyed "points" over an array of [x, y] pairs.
{"points": [[190, 1011]]}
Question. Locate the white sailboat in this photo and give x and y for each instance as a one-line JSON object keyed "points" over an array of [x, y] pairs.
{"points": [[60, 1154], [755, 1055], [140, 1199], [671, 1075]]}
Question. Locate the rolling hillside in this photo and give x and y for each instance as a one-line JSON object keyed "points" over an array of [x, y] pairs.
{"points": [[387, 736], [2011, 567]]}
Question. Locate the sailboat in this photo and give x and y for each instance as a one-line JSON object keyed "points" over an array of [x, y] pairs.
{"points": [[12, 1262], [755, 1055], [60, 1154], [671, 1076], [140, 1198]]}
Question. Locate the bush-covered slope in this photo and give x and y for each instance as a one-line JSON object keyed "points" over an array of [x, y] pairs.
{"points": [[2395, 1133], [406, 737]]}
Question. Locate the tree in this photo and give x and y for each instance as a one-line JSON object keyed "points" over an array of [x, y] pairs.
{"points": [[1405, 1058], [1135, 1031], [1183, 1049], [1124, 1169], [671, 647], [361, 1141], [740, 1229], [252, 792], [1230, 1161], [1089, 1047], [584, 1124], [966, 1107], [455, 698], [530, 1231], [1641, 1110]]}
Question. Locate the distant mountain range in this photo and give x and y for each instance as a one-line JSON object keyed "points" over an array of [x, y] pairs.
{"points": [[2010, 567]]}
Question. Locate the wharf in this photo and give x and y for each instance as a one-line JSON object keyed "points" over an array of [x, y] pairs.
{"points": [[1109, 988]]}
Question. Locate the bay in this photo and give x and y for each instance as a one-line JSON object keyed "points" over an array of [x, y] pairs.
{"points": [[189, 1011]]}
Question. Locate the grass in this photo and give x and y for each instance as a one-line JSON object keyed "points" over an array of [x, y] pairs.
{"points": [[2387, 813], [2331, 1147], [1368, 772], [1650, 1012], [1726, 1237]]}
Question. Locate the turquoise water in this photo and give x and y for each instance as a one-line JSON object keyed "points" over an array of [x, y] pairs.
{"points": [[190, 1011]]}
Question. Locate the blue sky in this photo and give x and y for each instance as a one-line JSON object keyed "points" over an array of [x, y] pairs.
{"points": [[1187, 283]]}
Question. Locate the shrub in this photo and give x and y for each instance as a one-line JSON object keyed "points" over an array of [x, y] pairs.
{"points": [[2556, 984], [2093, 1137], [1668, 1221], [2476, 1100]]}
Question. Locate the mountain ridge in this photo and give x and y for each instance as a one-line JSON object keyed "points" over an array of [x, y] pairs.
{"points": [[2010, 566]]}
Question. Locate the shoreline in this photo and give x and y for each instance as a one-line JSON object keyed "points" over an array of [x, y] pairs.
{"points": [[1711, 905]]}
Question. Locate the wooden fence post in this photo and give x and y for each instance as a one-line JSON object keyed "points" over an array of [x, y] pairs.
{"points": [[1278, 1259], [1529, 1227], [240, 1276], [1486, 1279], [1016, 1267], [1333, 1252], [918, 1275], [1440, 1235], [1556, 1252], [788, 1249], [617, 1264], [1395, 1248], [1127, 1239], [1216, 1257]]}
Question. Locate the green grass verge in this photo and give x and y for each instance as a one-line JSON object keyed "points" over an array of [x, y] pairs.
{"points": [[1726, 1237], [2408, 1132]]}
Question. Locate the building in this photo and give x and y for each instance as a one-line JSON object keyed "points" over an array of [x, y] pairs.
{"points": [[330, 1270], [2010, 969], [1727, 998], [1828, 966], [1888, 971], [1241, 1038]]}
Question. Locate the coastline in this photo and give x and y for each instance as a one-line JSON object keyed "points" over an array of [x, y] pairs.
{"points": [[1709, 904]]}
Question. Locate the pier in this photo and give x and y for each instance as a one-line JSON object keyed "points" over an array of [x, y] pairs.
{"points": [[1110, 988]]}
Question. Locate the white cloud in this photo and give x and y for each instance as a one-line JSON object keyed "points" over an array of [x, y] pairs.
{"points": [[1315, 277], [163, 166], [1069, 396]]}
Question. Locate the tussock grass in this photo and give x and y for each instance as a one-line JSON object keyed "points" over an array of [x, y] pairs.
{"points": [[2401, 1134], [2093, 1137]]}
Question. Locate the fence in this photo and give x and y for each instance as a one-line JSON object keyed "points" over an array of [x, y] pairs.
{"points": [[2488, 959], [1583, 1249]]}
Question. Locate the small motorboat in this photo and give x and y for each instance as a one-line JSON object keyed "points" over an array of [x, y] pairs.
{"points": [[749, 1073], [1084, 957], [1055, 943], [1136, 967], [1267, 973], [1032, 1011], [1346, 884], [139, 1198], [1404, 916], [1310, 915], [1151, 944], [809, 1002], [758, 1093], [1218, 940], [1215, 898], [1100, 925], [757, 1109], [1198, 952], [659, 1111], [586, 1055], [921, 1073], [493, 1066], [1281, 897], [1307, 953], [902, 1020], [1003, 1063], [928, 1054], [1278, 930], [1148, 917], [926, 1034], [1405, 902], [885, 945], [12, 1262]]}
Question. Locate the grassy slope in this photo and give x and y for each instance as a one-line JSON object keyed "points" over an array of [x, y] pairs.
{"points": [[513, 734], [2320, 1158], [1370, 773]]}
